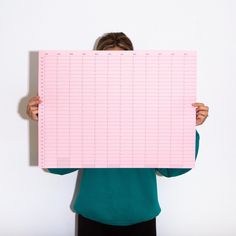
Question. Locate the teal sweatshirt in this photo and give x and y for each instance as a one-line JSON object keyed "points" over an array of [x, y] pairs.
{"points": [[120, 196]]}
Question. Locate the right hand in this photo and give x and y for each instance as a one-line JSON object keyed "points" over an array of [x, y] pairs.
{"points": [[32, 108]]}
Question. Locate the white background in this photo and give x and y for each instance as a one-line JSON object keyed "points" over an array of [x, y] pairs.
{"points": [[199, 203]]}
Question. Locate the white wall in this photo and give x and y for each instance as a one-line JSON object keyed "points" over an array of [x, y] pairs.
{"points": [[199, 203]]}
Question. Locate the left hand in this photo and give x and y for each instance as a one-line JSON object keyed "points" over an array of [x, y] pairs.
{"points": [[201, 112]]}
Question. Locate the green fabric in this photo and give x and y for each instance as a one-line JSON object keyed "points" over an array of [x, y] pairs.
{"points": [[120, 196]]}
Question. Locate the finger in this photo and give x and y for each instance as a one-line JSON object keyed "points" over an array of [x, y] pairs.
{"points": [[30, 109], [204, 113], [31, 116], [35, 102], [34, 111], [34, 98], [203, 108], [201, 117], [34, 115], [34, 108], [199, 121]]}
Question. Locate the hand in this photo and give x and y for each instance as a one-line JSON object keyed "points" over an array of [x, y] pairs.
{"points": [[201, 112], [32, 108]]}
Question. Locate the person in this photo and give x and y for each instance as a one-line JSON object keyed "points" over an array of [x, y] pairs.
{"points": [[118, 201]]}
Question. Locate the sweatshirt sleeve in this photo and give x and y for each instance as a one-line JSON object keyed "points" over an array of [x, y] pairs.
{"points": [[172, 172], [61, 171]]}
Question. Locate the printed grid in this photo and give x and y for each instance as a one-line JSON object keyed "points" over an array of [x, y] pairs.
{"points": [[112, 109]]}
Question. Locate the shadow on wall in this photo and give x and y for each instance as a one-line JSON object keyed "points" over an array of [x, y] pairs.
{"points": [[33, 125]]}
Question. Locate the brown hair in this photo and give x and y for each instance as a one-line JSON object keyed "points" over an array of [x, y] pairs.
{"points": [[110, 40]]}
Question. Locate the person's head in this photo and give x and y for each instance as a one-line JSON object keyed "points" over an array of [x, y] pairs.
{"points": [[114, 41]]}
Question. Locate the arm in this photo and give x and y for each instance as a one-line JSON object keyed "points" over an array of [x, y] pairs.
{"points": [[172, 172], [61, 171]]}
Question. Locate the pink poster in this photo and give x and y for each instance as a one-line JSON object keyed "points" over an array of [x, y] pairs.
{"points": [[117, 109]]}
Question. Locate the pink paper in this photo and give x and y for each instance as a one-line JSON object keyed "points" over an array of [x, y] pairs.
{"points": [[117, 109]]}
